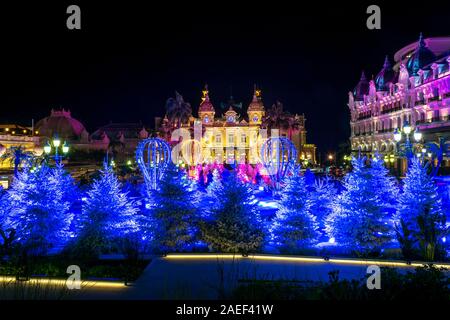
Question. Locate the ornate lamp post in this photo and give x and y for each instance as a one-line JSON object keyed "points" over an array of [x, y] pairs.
{"points": [[406, 149], [56, 145]]}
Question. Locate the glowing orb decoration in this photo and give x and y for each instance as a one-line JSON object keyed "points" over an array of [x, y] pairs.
{"points": [[278, 155], [153, 157], [191, 151]]}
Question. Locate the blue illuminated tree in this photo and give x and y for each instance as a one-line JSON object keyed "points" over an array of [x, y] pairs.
{"points": [[360, 214], [172, 216], [108, 213], [421, 222], [39, 210], [294, 226], [214, 190], [235, 225], [322, 196]]}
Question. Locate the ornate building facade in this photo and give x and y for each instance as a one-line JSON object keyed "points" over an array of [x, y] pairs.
{"points": [[415, 91], [233, 137]]}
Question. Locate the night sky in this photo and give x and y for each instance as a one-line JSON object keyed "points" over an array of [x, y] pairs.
{"points": [[129, 58]]}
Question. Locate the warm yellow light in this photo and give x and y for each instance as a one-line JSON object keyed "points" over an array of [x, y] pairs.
{"points": [[330, 157], [65, 148], [6, 129], [47, 148], [24, 131], [36, 132], [56, 142], [13, 132], [62, 282], [299, 259]]}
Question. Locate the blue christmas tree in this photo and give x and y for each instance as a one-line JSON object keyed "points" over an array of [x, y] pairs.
{"points": [[421, 220], [235, 224], [322, 196], [360, 214], [38, 210], [171, 217], [213, 192], [294, 226], [107, 214]]}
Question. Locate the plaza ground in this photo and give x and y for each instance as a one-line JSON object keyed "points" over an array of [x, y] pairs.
{"points": [[210, 277]]}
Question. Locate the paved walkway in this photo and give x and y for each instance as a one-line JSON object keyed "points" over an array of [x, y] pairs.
{"points": [[201, 278]]}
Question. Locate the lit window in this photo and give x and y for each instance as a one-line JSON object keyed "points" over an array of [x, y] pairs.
{"points": [[218, 139], [243, 138], [230, 139], [230, 119], [206, 119]]}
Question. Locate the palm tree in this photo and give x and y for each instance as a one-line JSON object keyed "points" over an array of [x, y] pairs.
{"points": [[178, 111], [438, 150], [16, 155], [276, 117], [116, 146]]}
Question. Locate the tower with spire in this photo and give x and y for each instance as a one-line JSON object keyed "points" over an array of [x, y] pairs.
{"points": [[206, 110], [256, 109]]}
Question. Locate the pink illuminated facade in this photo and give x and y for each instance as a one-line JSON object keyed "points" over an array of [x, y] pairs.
{"points": [[416, 90]]}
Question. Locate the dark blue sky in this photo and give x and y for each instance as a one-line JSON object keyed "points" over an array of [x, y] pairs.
{"points": [[129, 58]]}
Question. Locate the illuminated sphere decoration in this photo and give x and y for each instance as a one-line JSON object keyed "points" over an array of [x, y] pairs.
{"points": [[278, 155], [153, 157], [191, 151]]}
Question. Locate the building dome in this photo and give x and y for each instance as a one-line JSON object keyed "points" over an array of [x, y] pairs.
{"points": [[420, 58], [362, 88], [256, 104], [62, 124], [385, 76]]}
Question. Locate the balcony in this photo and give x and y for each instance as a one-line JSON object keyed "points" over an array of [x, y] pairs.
{"points": [[437, 98], [419, 102], [433, 120], [364, 116], [385, 130], [390, 110]]}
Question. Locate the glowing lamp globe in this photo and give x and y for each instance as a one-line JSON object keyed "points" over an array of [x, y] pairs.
{"points": [[417, 135], [56, 142], [397, 135], [407, 128], [65, 148], [47, 148]]}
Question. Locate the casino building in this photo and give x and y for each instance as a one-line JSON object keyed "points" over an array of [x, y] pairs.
{"points": [[228, 136], [415, 91]]}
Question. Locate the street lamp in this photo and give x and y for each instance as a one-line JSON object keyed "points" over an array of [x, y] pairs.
{"points": [[408, 145], [56, 142], [417, 135]]}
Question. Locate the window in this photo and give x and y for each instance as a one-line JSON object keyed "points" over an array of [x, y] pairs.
{"points": [[218, 138], [243, 138], [231, 139]]}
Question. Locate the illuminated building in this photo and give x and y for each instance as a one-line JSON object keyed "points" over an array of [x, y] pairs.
{"points": [[13, 135], [228, 137], [415, 91]]}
